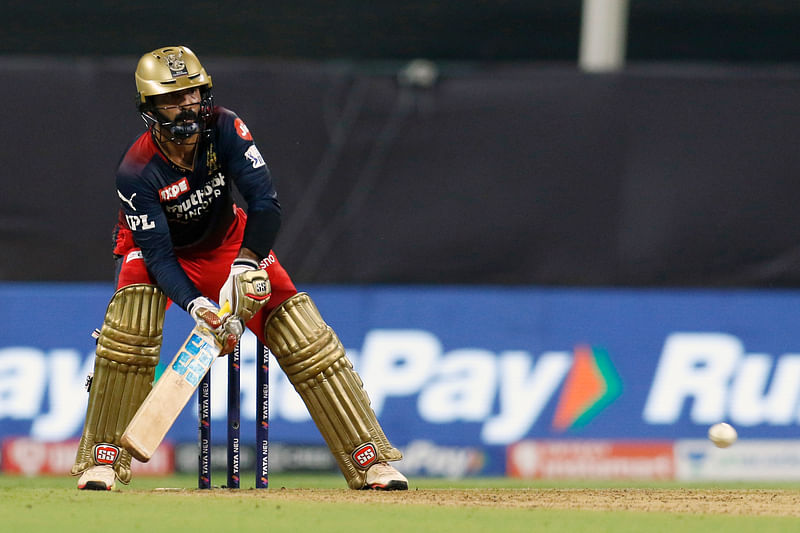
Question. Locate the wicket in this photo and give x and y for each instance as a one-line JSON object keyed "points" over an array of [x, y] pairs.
{"points": [[233, 419]]}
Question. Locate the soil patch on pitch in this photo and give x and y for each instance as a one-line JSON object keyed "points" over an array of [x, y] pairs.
{"points": [[744, 502]]}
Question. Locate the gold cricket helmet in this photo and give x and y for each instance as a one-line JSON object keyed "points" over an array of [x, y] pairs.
{"points": [[171, 69], [166, 70]]}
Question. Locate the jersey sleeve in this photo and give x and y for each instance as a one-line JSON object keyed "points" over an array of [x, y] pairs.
{"points": [[144, 217], [246, 166]]}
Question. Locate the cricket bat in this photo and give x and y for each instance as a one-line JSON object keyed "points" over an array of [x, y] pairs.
{"points": [[171, 393]]}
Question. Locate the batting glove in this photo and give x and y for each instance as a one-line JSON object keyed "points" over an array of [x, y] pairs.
{"points": [[247, 289], [226, 329]]}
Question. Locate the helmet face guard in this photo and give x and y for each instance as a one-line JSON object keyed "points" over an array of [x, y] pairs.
{"points": [[168, 70], [186, 124]]}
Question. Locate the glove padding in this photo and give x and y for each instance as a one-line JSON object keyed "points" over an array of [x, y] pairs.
{"points": [[247, 289], [227, 329]]}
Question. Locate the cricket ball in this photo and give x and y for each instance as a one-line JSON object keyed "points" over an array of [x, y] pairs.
{"points": [[722, 435]]}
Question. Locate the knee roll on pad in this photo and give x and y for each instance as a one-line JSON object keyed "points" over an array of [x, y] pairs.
{"points": [[127, 353], [313, 358]]}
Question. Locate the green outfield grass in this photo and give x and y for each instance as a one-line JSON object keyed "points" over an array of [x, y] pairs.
{"points": [[53, 504]]}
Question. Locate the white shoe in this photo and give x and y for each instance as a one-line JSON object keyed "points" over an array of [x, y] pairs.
{"points": [[98, 478], [382, 476]]}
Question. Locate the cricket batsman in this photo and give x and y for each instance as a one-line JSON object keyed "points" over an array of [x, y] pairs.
{"points": [[181, 238]]}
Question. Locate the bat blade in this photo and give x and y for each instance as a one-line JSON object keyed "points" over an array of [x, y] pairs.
{"points": [[171, 393]]}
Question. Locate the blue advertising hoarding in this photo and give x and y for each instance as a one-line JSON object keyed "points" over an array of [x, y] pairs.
{"points": [[462, 366]]}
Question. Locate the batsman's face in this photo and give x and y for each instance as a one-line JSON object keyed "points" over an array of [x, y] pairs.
{"points": [[181, 107]]}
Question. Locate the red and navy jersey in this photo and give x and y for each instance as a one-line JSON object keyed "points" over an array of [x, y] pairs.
{"points": [[168, 210]]}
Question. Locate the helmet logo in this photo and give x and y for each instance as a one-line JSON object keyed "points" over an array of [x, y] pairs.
{"points": [[177, 66]]}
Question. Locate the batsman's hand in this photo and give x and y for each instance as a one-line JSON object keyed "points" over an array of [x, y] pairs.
{"points": [[227, 329], [247, 288]]}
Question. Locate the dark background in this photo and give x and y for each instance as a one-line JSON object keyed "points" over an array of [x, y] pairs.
{"points": [[514, 168], [519, 30]]}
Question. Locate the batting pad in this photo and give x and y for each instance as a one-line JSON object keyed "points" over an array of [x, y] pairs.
{"points": [[313, 358], [126, 357]]}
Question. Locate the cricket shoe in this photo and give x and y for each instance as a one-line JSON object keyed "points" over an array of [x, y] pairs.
{"points": [[97, 478], [382, 476]]}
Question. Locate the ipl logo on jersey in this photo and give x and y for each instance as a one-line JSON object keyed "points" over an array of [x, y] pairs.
{"points": [[139, 222]]}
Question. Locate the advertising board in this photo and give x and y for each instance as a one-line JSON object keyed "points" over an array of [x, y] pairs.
{"points": [[462, 371]]}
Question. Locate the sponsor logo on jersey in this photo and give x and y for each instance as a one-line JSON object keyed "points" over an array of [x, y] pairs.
{"points": [[128, 201], [105, 454], [254, 156], [173, 190], [267, 261], [365, 455], [198, 202], [242, 130]]}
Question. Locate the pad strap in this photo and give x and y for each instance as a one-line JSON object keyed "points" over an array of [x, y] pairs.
{"points": [[126, 357], [313, 358]]}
